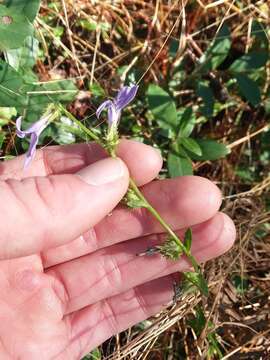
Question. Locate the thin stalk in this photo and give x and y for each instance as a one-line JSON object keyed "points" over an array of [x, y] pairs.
{"points": [[165, 226], [87, 131]]}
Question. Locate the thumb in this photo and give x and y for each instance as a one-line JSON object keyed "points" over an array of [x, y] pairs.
{"points": [[42, 212]]}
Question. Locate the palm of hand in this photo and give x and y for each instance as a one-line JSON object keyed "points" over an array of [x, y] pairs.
{"points": [[32, 310]]}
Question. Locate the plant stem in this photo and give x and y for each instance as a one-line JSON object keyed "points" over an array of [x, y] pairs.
{"points": [[87, 131], [165, 226]]}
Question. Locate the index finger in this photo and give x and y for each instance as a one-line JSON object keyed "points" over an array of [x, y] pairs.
{"points": [[69, 159]]}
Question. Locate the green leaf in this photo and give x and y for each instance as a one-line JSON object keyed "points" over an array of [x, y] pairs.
{"points": [[11, 84], [179, 165], [188, 239], [58, 31], [29, 8], [94, 26], [260, 33], [2, 138], [97, 90], [218, 50], [24, 58], [198, 280], [6, 113], [96, 355], [14, 28], [173, 47], [187, 121], [191, 145], [214, 350], [93, 355], [162, 107], [205, 92], [211, 150], [16, 92], [247, 62], [198, 322], [249, 89], [88, 25], [240, 283], [246, 173], [40, 95]]}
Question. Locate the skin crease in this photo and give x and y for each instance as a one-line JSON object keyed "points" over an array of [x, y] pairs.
{"points": [[68, 285]]}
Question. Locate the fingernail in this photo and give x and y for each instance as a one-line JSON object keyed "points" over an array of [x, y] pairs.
{"points": [[102, 172]]}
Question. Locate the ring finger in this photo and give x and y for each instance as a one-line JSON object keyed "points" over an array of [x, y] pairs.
{"points": [[115, 269]]}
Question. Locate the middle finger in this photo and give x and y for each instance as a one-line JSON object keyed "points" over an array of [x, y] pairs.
{"points": [[113, 270]]}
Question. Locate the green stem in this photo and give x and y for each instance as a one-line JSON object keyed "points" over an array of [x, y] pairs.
{"points": [[87, 131], [165, 226]]}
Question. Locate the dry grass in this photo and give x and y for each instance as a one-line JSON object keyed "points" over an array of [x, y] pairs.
{"points": [[240, 318]]}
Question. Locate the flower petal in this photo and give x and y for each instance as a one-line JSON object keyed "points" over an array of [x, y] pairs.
{"points": [[125, 96], [34, 130], [105, 105], [113, 115], [21, 134], [36, 127], [39, 125], [32, 150]]}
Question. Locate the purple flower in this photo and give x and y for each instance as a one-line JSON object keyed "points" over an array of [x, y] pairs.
{"points": [[34, 132], [114, 107]]}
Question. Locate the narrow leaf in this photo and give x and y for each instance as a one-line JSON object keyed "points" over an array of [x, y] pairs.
{"points": [[2, 138], [186, 120], [211, 150], [188, 239], [191, 145]]}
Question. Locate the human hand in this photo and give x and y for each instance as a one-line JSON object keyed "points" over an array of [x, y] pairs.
{"points": [[63, 293]]}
